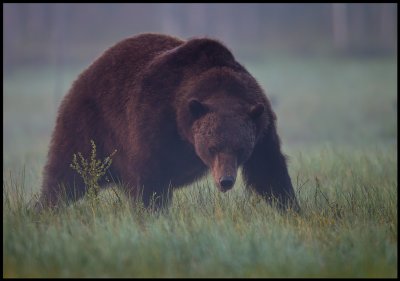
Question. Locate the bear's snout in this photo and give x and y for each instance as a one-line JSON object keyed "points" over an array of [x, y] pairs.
{"points": [[224, 171], [226, 183]]}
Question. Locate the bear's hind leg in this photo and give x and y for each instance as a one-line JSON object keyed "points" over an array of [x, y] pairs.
{"points": [[60, 186]]}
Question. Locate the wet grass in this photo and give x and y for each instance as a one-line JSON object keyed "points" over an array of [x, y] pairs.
{"points": [[347, 228]]}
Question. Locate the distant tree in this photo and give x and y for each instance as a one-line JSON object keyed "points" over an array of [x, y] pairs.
{"points": [[340, 25]]}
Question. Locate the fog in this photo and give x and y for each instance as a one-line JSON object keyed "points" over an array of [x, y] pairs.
{"points": [[77, 33]]}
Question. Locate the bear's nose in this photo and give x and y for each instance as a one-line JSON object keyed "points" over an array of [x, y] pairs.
{"points": [[226, 182]]}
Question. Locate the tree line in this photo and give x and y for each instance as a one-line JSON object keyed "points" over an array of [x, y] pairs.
{"points": [[47, 32]]}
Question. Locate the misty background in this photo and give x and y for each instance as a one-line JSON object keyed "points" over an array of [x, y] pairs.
{"points": [[70, 33]]}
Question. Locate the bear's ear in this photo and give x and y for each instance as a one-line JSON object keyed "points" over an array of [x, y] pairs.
{"points": [[256, 111], [197, 108]]}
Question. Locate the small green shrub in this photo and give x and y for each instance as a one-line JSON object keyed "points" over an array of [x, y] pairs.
{"points": [[91, 171]]}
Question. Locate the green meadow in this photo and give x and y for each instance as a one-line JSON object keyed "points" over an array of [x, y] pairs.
{"points": [[337, 118]]}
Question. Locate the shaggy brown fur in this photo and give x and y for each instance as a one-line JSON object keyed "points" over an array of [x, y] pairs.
{"points": [[172, 109]]}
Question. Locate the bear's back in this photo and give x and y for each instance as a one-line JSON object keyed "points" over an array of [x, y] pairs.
{"points": [[122, 64]]}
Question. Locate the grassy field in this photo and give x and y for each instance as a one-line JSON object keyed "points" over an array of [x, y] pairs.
{"points": [[337, 121]]}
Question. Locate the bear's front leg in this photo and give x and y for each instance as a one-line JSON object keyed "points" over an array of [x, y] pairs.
{"points": [[266, 172], [155, 196]]}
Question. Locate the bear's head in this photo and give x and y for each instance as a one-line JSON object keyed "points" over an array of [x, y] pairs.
{"points": [[225, 118]]}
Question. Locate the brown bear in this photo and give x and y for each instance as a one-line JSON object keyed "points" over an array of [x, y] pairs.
{"points": [[173, 109]]}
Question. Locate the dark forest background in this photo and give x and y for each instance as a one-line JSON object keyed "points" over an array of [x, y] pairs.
{"points": [[77, 33]]}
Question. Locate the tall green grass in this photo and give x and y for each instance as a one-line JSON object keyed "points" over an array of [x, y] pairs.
{"points": [[347, 228]]}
